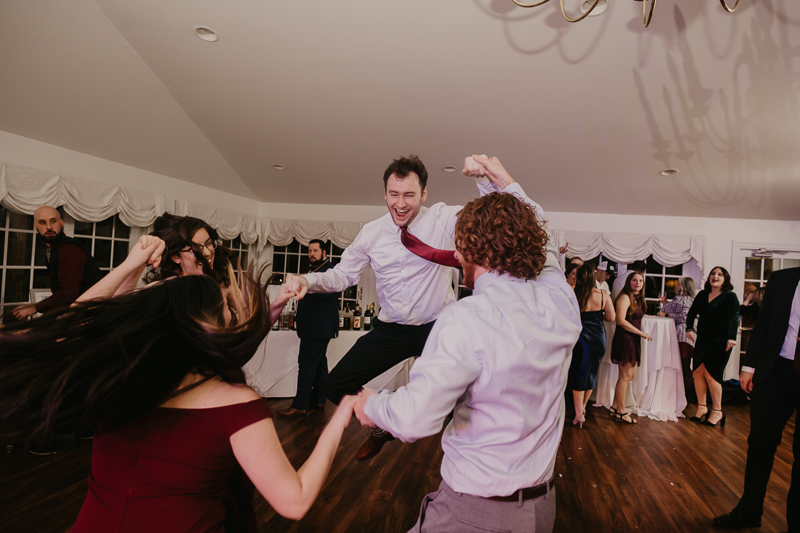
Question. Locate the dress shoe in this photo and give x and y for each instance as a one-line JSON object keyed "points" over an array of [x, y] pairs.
{"points": [[320, 406], [372, 446], [292, 412], [734, 520]]}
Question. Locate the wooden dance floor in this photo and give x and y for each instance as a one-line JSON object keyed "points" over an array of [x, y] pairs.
{"points": [[652, 477]]}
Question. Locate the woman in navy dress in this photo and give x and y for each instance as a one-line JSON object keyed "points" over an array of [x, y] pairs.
{"points": [[596, 306]]}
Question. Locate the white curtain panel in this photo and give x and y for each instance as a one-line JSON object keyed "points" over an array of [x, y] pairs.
{"points": [[25, 189], [281, 232], [228, 224], [669, 250]]}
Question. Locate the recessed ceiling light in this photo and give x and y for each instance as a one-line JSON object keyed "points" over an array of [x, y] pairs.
{"points": [[669, 172], [207, 34], [449, 169], [601, 7], [279, 167]]}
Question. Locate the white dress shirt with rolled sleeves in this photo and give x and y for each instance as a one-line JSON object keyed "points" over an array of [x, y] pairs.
{"points": [[501, 358], [411, 290]]}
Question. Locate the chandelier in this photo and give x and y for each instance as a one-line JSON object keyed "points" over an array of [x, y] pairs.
{"points": [[588, 6]]}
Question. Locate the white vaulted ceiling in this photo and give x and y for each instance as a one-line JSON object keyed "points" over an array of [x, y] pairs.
{"points": [[584, 115]]}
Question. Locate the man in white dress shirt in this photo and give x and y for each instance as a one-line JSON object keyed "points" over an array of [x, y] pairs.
{"points": [[499, 360], [412, 291]]}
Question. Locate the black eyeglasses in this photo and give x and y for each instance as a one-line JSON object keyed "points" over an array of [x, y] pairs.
{"points": [[195, 248]]}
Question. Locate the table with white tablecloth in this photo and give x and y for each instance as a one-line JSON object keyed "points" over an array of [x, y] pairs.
{"points": [[657, 390], [272, 371]]}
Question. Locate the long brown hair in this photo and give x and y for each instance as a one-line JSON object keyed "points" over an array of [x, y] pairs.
{"points": [[637, 300], [584, 284]]}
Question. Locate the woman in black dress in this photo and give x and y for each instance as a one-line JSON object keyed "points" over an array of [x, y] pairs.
{"points": [[626, 347], [718, 309], [596, 306]]}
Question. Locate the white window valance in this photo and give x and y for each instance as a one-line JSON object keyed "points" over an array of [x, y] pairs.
{"points": [[228, 224], [669, 250], [25, 189], [281, 232]]}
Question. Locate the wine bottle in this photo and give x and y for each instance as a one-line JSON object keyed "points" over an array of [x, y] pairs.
{"points": [[348, 319], [357, 317], [341, 319], [368, 318]]}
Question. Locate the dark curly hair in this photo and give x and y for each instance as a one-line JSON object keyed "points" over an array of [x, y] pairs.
{"points": [[405, 166], [726, 283], [502, 233], [177, 233]]}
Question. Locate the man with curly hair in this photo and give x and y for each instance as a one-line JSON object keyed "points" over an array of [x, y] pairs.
{"points": [[499, 360]]}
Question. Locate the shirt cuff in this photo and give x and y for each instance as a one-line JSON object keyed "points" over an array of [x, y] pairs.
{"points": [[748, 369]]}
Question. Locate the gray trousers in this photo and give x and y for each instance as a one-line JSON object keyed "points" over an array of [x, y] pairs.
{"points": [[447, 511]]}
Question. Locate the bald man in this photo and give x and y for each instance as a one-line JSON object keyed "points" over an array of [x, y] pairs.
{"points": [[71, 267]]}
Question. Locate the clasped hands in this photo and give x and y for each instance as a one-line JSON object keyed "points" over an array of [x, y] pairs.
{"points": [[358, 408], [481, 166]]}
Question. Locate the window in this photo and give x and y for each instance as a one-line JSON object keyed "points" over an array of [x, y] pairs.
{"points": [[22, 254], [658, 279], [293, 259], [238, 251]]}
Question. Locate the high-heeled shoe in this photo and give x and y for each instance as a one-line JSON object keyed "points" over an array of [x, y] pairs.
{"points": [[702, 417], [721, 421], [612, 411], [620, 417]]}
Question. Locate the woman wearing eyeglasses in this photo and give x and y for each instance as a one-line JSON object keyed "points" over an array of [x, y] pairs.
{"points": [[193, 248]]}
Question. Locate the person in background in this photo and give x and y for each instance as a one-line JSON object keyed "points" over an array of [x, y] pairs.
{"points": [[596, 306], [498, 360], [577, 260], [626, 347], [771, 376], [718, 309], [71, 267], [751, 304], [620, 282], [410, 251], [158, 373], [601, 278], [571, 273], [316, 324], [677, 310]]}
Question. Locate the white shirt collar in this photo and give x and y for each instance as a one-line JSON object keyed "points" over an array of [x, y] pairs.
{"points": [[490, 277]]}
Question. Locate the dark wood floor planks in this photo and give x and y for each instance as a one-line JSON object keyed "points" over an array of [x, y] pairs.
{"points": [[649, 477]]}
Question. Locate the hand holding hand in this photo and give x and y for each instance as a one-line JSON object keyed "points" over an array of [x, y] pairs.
{"points": [[24, 311], [481, 166], [746, 381], [297, 286], [730, 345], [363, 396], [345, 410], [147, 251]]}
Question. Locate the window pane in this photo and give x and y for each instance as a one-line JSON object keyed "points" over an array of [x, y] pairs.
{"points": [[3, 213], [18, 221], [83, 228], [39, 251], [652, 286], [18, 282], [279, 250], [304, 249], [104, 228], [670, 284], [278, 263], [337, 250], [236, 243], [294, 247], [20, 248], [305, 264], [102, 253], [121, 231], [350, 293], [675, 271], [752, 268], [2, 245], [120, 252], [245, 264], [41, 279], [87, 243], [771, 265], [292, 264], [653, 266]]}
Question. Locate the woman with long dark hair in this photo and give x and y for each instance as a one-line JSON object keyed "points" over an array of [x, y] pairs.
{"points": [[595, 306], [193, 247], [626, 347], [157, 374], [718, 309], [571, 273]]}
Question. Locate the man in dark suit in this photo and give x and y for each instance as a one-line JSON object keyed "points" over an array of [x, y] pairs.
{"points": [[317, 323], [771, 374]]}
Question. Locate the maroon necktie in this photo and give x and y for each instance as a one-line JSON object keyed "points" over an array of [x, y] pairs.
{"points": [[434, 255]]}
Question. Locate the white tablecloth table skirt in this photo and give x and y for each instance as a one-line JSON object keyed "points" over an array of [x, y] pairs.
{"points": [[272, 371], [657, 390]]}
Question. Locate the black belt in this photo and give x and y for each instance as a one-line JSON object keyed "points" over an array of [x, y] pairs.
{"points": [[525, 494]]}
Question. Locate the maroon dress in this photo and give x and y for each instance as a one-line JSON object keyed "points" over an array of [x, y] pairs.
{"points": [[172, 470], [626, 348]]}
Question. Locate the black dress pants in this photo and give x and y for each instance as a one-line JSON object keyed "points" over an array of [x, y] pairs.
{"points": [[312, 370], [373, 354], [772, 404]]}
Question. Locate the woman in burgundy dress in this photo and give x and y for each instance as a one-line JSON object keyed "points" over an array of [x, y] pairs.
{"points": [[157, 374], [626, 346]]}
